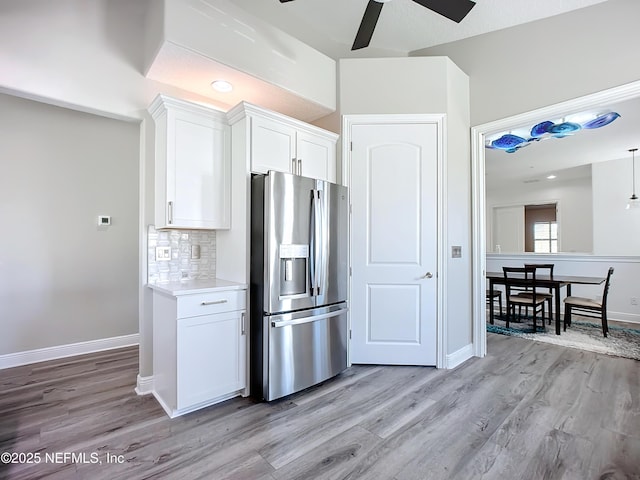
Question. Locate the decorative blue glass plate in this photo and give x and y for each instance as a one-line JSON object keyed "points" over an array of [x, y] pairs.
{"points": [[601, 120], [508, 141], [564, 128], [541, 128]]}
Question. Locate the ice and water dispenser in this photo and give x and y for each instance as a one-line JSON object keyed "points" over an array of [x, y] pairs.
{"points": [[294, 270]]}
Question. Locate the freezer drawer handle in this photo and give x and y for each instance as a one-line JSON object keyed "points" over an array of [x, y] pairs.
{"points": [[310, 319], [215, 302]]}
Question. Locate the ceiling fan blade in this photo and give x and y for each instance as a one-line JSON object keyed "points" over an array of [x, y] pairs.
{"points": [[454, 10], [368, 25]]}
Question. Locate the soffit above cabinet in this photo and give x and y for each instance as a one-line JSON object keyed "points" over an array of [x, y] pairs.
{"points": [[194, 42]]}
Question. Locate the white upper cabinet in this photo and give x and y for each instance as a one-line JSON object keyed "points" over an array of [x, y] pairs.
{"points": [[273, 146], [192, 167], [277, 142], [316, 156]]}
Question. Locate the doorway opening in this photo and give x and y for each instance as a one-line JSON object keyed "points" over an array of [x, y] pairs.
{"points": [[479, 225]]}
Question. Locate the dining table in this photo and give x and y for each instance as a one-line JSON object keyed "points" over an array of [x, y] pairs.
{"points": [[554, 282]]}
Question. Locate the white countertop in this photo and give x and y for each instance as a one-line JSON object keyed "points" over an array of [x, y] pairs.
{"points": [[187, 287]]}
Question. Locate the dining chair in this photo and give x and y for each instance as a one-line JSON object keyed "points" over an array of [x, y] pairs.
{"points": [[515, 279], [491, 296], [544, 292], [589, 307]]}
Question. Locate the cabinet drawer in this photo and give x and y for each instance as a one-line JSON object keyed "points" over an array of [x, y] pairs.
{"points": [[214, 302]]}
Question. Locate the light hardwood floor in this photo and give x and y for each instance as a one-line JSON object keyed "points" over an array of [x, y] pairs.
{"points": [[527, 411]]}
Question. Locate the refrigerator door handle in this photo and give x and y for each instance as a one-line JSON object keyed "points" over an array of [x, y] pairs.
{"points": [[317, 242], [312, 247], [312, 318], [323, 243]]}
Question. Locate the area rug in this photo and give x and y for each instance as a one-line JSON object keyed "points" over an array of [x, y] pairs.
{"points": [[584, 335]]}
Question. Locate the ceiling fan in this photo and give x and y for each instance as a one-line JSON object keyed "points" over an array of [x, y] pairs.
{"points": [[454, 10]]}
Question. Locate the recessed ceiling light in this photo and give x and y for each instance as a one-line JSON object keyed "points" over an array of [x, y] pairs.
{"points": [[222, 86], [551, 177]]}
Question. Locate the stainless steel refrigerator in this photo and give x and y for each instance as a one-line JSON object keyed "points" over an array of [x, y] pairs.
{"points": [[299, 276]]}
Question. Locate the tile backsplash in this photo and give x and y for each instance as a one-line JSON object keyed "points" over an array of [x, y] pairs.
{"points": [[181, 266]]}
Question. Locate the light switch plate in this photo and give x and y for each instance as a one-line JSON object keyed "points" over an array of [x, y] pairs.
{"points": [[163, 254], [456, 251]]}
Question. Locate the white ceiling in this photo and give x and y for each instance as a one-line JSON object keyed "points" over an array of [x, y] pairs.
{"points": [[329, 26], [102, 38], [404, 26]]}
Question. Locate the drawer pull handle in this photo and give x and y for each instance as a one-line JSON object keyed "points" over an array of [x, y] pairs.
{"points": [[215, 302]]}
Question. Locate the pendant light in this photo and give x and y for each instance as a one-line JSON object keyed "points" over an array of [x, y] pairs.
{"points": [[634, 202]]}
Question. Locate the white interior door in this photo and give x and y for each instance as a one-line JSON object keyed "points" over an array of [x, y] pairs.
{"points": [[508, 229], [394, 243]]}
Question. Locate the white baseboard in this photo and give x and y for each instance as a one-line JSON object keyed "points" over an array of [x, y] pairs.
{"points": [[70, 350], [456, 358], [623, 317], [176, 413], [144, 385]]}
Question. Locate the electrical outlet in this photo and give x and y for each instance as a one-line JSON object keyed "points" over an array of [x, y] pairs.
{"points": [[195, 252], [163, 254], [634, 300]]}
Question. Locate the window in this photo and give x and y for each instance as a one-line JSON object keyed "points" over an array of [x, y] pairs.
{"points": [[541, 228], [545, 237]]}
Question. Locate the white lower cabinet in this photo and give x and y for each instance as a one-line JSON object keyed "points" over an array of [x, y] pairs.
{"points": [[200, 349]]}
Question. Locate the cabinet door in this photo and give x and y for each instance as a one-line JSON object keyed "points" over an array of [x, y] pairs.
{"points": [[317, 156], [272, 146], [198, 171], [211, 357]]}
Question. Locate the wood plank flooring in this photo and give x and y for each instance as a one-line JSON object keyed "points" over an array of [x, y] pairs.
{"points": [[527, 411]]}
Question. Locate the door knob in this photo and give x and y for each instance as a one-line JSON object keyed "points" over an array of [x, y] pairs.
{"points": [[428, 275]]}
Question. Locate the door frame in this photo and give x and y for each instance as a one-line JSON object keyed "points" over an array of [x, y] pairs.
{"points": [[348, 121], [478, 193]]}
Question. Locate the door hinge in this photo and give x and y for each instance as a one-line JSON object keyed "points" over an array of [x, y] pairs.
{"points": [[350, 271], [349, 334], [351, 146], [350, 208]]}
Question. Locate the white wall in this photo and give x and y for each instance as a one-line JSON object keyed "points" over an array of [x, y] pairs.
{"points": [[616, 230], [427, 85], [544, 62], [624, 281], [63, 279], [574, 198]]}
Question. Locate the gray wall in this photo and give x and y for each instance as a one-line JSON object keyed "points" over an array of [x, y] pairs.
{"points": [[63, 279], [542, 63]]}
